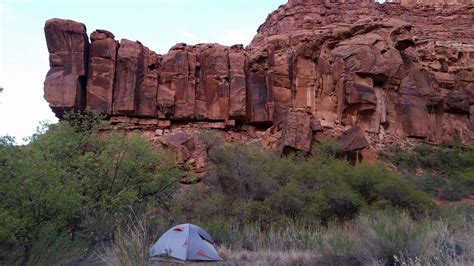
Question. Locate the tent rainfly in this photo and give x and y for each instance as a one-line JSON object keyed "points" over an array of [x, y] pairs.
{"points": [[186, 242]]}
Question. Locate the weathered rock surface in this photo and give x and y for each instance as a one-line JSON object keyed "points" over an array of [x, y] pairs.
{"points": [[181, 143], [297, 131], [389, 71], [237, 93], [100, 77], [68, 47], [174, 98], [148, 86], [212, 90], [127, 77], [352, 140]]}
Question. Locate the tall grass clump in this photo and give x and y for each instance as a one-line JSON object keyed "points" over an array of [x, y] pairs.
{"points": [[391, 237], [131, 243], [377, 238]]}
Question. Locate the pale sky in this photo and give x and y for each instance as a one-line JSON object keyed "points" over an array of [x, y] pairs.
{"points": [[157, 24]]}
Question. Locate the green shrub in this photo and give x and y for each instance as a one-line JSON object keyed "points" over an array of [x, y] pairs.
{"points": [[449, 171], [365, 178], [338, 203], [466, 177], [326, 148], [248, 172], [221, 231], [73, 180], [402, 194], [260, 186], [453, 190], [255, 212], [431, 183], [288, 201]]}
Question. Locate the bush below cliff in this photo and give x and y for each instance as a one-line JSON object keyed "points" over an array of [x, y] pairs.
{"points": [[446, 172], [70, 188]]}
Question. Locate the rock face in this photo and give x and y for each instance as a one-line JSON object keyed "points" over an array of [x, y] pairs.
{"points": [[100, 77], [381, 73], [68, 47], [128, 75]]}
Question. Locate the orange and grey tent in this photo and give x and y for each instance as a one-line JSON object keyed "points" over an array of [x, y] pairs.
{"points": [[186, 242]]}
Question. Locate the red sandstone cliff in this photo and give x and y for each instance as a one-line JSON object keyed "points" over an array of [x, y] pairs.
{"points": [[387, 72]]}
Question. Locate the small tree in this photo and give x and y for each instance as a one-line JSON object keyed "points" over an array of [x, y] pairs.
{"points": [[74, 182]]}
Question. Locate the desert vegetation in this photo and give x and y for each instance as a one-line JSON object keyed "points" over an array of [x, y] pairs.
{"points": [[389, 237], [77, 194], [446, 172], [71, 188]]}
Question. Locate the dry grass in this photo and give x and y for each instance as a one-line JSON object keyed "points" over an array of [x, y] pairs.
{"points": [[131, 244], [267, 257], [375, 239]]}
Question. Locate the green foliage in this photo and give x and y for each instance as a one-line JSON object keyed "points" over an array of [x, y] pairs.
{"points": [[211, 141], [221, 231], [83, 121], [252, 185], [53, 247], [326, 148], [448, 171], [75, 182], [400, 193], [453, 190]]}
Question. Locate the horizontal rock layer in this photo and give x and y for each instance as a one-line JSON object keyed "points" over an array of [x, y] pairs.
{"points": [[387, 69]]}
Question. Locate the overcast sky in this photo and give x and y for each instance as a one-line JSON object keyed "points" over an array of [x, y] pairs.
{"points": [[158, 24]]}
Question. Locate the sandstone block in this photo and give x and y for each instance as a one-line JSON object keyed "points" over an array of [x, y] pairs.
{"points": [[65, 83]]}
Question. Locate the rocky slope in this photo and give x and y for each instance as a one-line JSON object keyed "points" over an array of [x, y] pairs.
{"points": [[371, 74]]}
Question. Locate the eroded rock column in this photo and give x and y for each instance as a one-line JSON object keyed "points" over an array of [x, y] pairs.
{"points": [[101, 73], [68, 47]]}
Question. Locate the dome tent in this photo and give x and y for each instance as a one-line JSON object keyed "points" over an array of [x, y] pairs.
{"points": [[186, 242]]}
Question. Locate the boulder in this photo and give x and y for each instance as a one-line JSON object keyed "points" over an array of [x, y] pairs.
{"points": [[180, 143], [352, 140], [360, 93], [297, 130], [175, 139]]}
